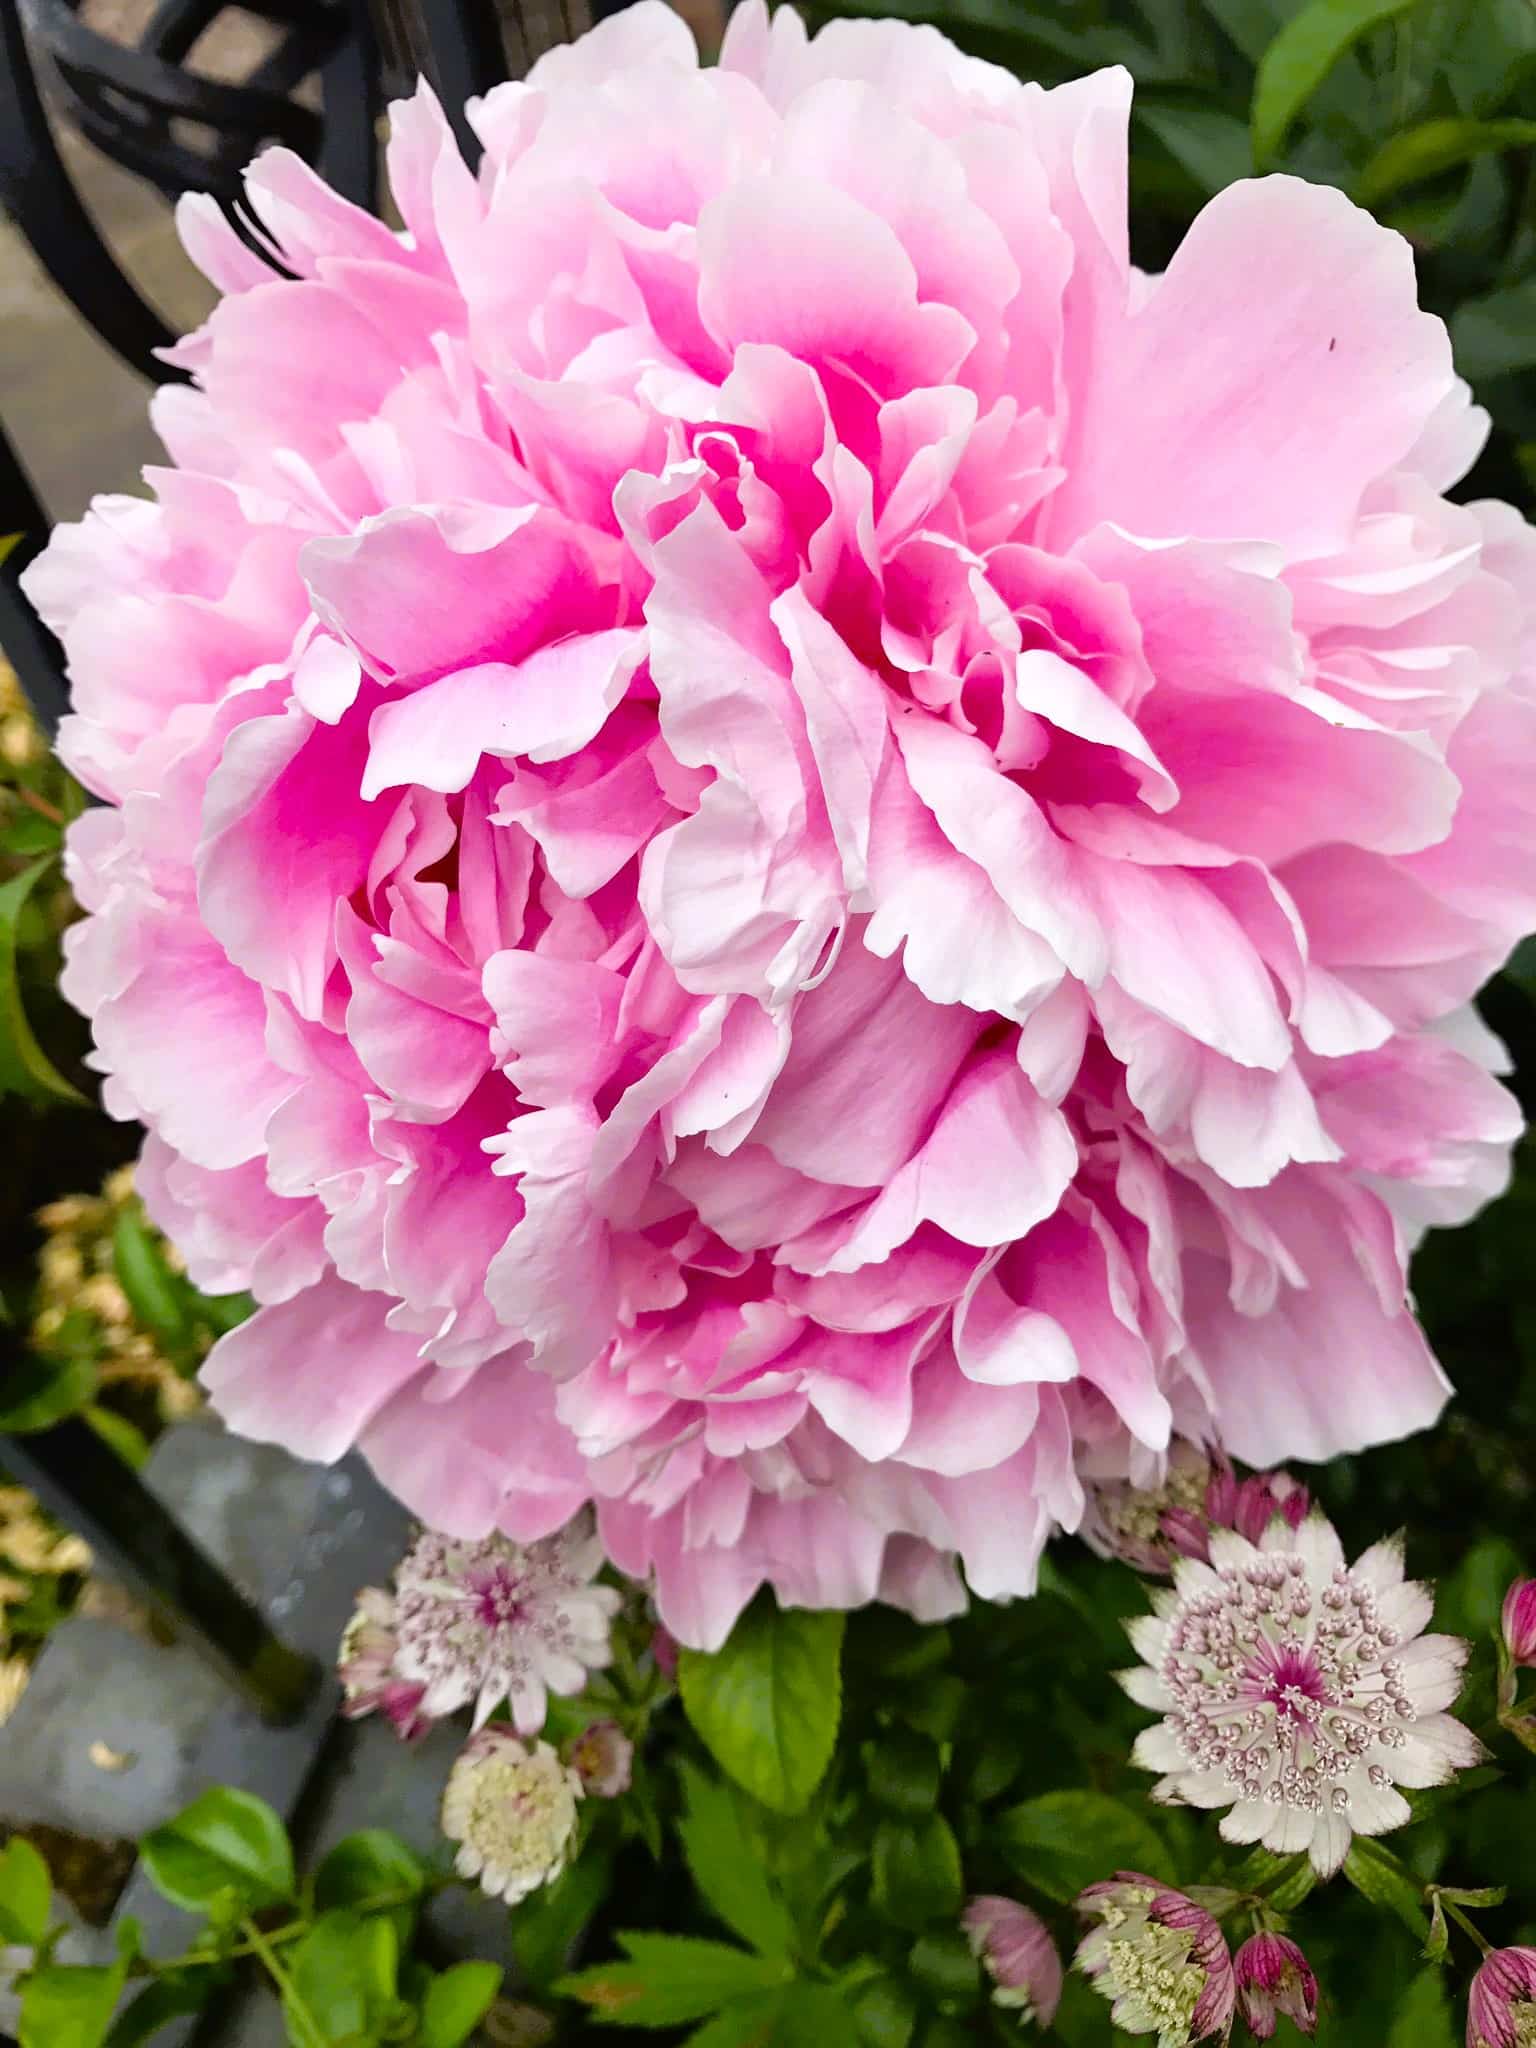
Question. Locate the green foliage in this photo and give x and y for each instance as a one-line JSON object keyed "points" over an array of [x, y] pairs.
{"points": [[227, 1845], [26, 1892], [25, 1068], [456, 2002], [1065, 1840], [730, 1880], [70, 2005], [670, 1979], [767, 1704], [1301, 56]]}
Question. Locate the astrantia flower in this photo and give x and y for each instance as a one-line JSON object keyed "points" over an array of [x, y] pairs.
{"points": [[370, 1682], [1160, 1958], [1274, 1981], [830, 851], [512, 1810], [1501, 2006], [1298, 1691], [1018, 1954], [1519, 1621], [1149, 1526], [479, 1623], [602, 1756]]}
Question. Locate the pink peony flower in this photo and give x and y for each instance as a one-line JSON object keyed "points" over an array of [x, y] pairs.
{"points": [[1161, 1959], [1501, 2006], [1018, 1954], [1274, 1979], [784, 851], [1298, 1691]]}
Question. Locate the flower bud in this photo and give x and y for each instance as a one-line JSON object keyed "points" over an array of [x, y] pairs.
{"points": [[1274, 1978], [1501, 2006], [1018, 1954], [1161, 1959], [602, 1756], [1519, 1621]]}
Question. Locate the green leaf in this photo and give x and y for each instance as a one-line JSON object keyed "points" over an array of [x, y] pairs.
{"points": [[68, 2006], [456, 2002], [903, 1770], [30, 832], [884, 2013], [748, 2023], [731, 1881], [1065, 1841], [170, 1997], [25, 1069], [26, 1892], [368, 1866], [767, 1704], [943, 1963], [343, 1974], [1433, 147], [915, 1873], [225, 1841], [1378, 1876], [1301, 57], [1423, 2019], [40, 1391], [545, 1925], [671, 1979], [138, 1259], [124, 1437], [1215, 148]]}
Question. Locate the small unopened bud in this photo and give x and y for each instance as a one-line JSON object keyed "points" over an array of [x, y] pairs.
{"points": [[1018, 1954], [1275, 1980], [1501, 2006], [1519, 1621], [602, 1756]]}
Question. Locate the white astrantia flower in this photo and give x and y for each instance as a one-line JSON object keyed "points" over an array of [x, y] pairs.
{"points": [[1297, 1690], [478, 1623], [512, 1811]]}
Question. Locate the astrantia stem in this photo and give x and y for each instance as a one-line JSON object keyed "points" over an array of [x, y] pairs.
{"points": [[1458, 1915]]}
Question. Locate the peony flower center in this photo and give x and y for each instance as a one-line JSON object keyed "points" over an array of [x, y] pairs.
{"points": [[1284, 1689]]}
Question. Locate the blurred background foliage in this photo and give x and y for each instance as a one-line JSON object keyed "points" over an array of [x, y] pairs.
{"points": [[1424, 110]]}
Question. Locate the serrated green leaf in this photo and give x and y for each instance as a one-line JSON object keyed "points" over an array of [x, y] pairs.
{"points": [[456, 2002], [1378, 1876], [1301, 57], [25, 1069], [1434, 147], [40, 1391], [730, 1880], [70, 2006], [671, 1979], [767, 1704], [225, 1841], [748, 2023], [26, 1893], [1064, 1841], [915, 1875], [1214, 147]]}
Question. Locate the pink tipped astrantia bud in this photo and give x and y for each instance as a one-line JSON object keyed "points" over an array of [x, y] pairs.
{"points": [[1017, 1954], [1520, 1621], [1250, 1505], [1160, 1959], [370, 1684], [1501, 2007], [602, 1756], [664, 1650], [1274, 1978]]}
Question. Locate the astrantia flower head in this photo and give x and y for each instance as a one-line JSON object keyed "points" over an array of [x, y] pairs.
{"points": [[479, 1623], [512, 1810], [1149, 1526], [1018, 1954], [1274, 1981], [370, 1682], [602, 1756], [830, 849], [1298, 1690], [1160, 1958], [1501, 2006], [1519, 1621]]}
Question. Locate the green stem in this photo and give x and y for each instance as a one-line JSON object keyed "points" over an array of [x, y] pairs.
{"points": [[1455, 1913], [302, 2019]]}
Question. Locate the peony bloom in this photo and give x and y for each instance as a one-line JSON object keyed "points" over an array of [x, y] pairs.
{"points": [[1274, 1979], [1298, 1691], [512, 1810], [1519, 1621], [479, 1623], [1501, 2006], [1019, 1956], [1160, 1958], [1148, 1527], [829, 852], [370, 1683], [603, 1757]]}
